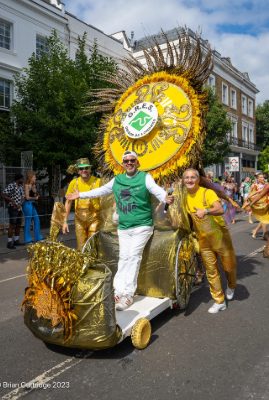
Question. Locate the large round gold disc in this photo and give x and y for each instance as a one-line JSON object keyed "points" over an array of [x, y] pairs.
{"points": [[170, 138]]}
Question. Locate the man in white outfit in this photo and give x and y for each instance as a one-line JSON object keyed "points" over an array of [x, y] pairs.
{"points": [[132, 195]]}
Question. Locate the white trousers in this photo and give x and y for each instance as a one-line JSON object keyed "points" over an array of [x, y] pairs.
{"points": [[132, 242]]}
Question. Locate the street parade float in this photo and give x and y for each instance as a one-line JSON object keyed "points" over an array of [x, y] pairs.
{"points": [[158, 111]]}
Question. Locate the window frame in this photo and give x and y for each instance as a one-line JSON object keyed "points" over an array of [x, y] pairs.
{"points": [[5, 21], [234, 131], [224, 85], [244, 109], [245, 129], [212, 81], [250, 109], [39, 50], [9, 82], [251, 133], [233, 91]]}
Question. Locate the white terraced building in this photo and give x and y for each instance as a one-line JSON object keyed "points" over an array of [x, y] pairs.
{"points": [[24, 25]]}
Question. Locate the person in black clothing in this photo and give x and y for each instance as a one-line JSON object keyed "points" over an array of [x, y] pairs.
{"points": [[14, 195]]}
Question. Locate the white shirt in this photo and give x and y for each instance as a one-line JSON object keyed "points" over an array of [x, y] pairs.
{"points": [[106, 189]]}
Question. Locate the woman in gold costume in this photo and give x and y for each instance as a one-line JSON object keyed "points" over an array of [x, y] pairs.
{"points": [[205, 210], [258, 202]]}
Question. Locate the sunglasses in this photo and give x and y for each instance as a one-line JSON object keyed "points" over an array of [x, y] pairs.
{"points": [[131, 161], [84, 168]]}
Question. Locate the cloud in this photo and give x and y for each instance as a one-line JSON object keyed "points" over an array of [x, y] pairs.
{"points": [[238, 29]]}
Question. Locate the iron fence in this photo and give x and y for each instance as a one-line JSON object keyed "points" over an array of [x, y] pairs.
{"points": [[44, 205]]}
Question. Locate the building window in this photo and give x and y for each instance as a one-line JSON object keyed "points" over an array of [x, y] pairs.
{"points": [[225, 94], [212, 81], [233, 99], [41, 45], [245, 132], [234, 128], [250, 108], [5, 93], [251, 134], [244, 104], [248, 163], [233, 133], [5, 34]]}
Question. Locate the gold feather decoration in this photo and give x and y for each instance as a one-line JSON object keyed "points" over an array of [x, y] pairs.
{"points": [[183, 65]]}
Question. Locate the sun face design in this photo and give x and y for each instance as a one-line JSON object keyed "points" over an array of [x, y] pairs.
{"points": [[156, 118], [156, 108]]}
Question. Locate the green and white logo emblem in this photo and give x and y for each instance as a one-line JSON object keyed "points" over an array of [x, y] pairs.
{"points": [[140, 120]]}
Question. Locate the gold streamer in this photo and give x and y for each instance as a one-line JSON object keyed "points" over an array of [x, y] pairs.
{"points": [[52, 271]]}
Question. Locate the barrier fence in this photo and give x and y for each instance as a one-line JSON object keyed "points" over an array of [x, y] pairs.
{"points": [[44, 204]]}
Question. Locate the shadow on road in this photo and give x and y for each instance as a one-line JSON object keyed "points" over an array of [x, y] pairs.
{"points": [[201, 294], [122, 350], [245, 268]]}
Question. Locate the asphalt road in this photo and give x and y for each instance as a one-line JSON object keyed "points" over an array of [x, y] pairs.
{"points": [[193, 355]]}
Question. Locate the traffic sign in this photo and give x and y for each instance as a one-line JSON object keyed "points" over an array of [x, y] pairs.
{"points": [[234, 164]]}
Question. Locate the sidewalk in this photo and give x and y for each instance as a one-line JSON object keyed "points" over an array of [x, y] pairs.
{"points": [[69, 239]]}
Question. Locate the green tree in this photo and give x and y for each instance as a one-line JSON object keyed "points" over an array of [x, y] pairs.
{"points": [[8, 151], [52, 92], [216, 146], [262, 124], [264, 159]]}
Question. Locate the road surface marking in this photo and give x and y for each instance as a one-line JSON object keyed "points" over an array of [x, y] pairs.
{"points": [[14, 277], [42, 381], [254, 253]]}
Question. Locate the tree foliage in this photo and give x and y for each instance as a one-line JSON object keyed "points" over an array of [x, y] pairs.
{"points": [[262, 134], [216, 146], [264, 159], [49, 116], [262, 124], [8, 151], [51, 94]]}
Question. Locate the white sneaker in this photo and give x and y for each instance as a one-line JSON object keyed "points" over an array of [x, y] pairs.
{"points": [[117, 299], [217, 307], [124, 302], [229, 293]]}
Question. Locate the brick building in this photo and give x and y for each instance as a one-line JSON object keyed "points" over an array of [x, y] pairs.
{"points": [[235, 91], [238, 95]]}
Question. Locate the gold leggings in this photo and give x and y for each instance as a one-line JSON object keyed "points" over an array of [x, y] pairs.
{"points": [[209, 254], [86, 224]]}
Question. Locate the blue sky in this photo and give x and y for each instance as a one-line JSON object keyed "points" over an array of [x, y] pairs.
{"points": [[238, 29]]}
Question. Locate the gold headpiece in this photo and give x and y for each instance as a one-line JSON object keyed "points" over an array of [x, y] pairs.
{"points": [[157, 110]]}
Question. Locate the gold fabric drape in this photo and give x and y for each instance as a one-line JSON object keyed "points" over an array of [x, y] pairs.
{"points": [[70, 298], [260, 210]]}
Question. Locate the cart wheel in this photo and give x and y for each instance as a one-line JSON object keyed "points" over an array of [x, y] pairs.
{"points": [[187, 266], [141, 333]]}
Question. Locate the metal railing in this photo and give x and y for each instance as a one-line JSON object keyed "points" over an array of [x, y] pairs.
{"points": [[243, 143], [44, 205]]}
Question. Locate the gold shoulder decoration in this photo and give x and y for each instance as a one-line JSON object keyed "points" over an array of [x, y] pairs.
{"points": [[157, 110]]}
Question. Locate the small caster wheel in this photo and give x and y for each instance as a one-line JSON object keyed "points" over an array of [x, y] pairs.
{"points": [[141, 333]]}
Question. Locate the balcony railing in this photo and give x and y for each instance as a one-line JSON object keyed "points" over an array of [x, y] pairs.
{"points": [[243, 143]]}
